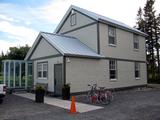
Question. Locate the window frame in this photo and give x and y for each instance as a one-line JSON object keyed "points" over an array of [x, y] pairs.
{"points": [[114, 36], [113, 68], [137, 68], [73, 19], [42, 65], [135, 41]]}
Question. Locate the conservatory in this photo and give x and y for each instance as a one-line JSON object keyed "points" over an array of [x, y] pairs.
{"points": [[17, 73]]}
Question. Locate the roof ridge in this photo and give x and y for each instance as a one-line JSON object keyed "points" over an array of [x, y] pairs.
{"points": [[101, 18], [61, 35]]}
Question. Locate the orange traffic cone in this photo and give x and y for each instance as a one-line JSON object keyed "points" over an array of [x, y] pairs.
{"points": [[73, 106]]}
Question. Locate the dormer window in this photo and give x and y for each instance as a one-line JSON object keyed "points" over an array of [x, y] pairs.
{"points": [[111, 35], [73, 18], [135, 42]]}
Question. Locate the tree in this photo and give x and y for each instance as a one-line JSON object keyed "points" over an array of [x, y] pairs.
{"points": [[157, 40], [149, 23], [18, 53], [140, 20]]}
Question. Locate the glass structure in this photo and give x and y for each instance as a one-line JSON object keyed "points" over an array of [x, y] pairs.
{"points": [[17, 73]]}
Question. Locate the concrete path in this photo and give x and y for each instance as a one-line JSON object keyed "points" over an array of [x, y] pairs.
{"points": [[80, 107]]}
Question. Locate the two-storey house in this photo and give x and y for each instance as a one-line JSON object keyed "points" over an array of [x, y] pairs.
{"points": [[87, 48]]}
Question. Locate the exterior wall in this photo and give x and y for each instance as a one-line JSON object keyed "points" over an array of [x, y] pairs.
{"points": [[124, 48], [87, 35], [43, 49], [81, 20], [80, 72], [50, 79]]}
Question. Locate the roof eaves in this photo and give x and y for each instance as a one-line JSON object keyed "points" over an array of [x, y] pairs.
{"points": [[122, 27], [83, 56]]}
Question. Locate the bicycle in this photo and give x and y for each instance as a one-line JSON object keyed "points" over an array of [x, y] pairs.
{"points": [[99, 96], [92, 92]]}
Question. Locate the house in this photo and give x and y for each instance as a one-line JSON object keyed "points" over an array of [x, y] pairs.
{"points": [[87, 48]]}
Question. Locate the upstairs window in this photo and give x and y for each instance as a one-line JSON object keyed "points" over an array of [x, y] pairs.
{"points": [[137, 70], [42, 69], [135, 42], [113, 69], [111, 35], [73, 19]]}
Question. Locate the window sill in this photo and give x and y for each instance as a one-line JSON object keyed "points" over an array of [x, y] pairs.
{"points": [[42, 78], [112, 45], [113, 80], [137, 78], [136, 50]]}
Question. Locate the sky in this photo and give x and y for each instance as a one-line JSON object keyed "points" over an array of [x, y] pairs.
{"points": [[22, 20]]}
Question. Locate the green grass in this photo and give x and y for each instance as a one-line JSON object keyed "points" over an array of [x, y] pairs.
{"points": [[1, 79]]}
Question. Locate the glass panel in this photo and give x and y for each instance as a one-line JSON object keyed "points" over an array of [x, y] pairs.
{"points": [[112, 68], [44, 74], [111, 31], [7, 70], [44, 66], [29, 77], [39, 74], [111, 40], [73, 19], [17, 74], [136, 41], [137, 70], [23, 74], [112, 74], [11, 73], [2, 73]]}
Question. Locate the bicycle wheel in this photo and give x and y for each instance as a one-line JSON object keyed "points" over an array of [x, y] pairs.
{"points": [[104, 100], [88, 97]]}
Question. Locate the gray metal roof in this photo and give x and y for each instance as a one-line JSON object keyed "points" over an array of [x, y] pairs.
{"points": [[100, 18], [69, 46]]}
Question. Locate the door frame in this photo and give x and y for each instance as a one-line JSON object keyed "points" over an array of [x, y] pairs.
{"points": [[54, 76]]}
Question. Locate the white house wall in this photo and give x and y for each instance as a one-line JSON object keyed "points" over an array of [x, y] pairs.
{"points": [[43, 49], [80, 72], [124, 48], [50, 79], [87, 35], [81, 20]]}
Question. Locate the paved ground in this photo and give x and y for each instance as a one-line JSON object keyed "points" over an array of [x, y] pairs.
{"points": [[80, 107], [132, 105]]}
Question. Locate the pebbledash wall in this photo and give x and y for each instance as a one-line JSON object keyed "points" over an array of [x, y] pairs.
{"points": [[81, 71], [50, 78]]}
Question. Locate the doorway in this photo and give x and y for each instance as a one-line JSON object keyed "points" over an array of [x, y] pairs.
{"points": [[58, 81]]}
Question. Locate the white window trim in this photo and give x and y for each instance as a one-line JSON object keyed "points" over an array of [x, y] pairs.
{"points": [[139, 69], [136, 41], [71, 22], [116, 74], [42, 64], [115, 38], [113, 80]]}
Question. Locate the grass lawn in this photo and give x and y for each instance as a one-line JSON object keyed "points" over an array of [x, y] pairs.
{"points": [[1, 79]]}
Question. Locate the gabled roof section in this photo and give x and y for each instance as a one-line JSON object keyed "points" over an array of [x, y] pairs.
{"points": [[67, 46], [99, 18]]}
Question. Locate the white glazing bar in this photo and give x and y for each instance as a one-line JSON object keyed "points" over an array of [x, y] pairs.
{"points": [[4, 72], [20, 80], [14, 73], [26, 74]]}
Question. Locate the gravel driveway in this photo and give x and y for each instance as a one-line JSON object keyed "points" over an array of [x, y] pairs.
{"points": [[131, 105]]}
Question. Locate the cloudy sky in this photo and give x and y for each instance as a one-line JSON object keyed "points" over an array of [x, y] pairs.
{"points": [[21, 20]]}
